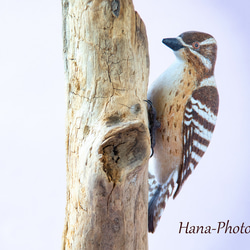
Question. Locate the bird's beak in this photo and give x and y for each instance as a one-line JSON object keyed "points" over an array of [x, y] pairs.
{"points": [[173, 43]]}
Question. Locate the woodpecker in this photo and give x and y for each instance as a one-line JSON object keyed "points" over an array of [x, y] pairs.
{"points": [[186, 101]]}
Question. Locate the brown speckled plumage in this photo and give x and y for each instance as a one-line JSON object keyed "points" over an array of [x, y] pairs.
{"points": [[186, 101]]}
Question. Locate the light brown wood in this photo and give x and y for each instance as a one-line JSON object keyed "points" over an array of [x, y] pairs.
{"points": [[107, 139]]}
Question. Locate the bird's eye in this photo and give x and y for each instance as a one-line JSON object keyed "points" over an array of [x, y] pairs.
{"points": [[196, 45]]}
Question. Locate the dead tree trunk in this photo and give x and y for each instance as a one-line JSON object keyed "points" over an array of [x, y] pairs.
{"points": [[108, 145]]}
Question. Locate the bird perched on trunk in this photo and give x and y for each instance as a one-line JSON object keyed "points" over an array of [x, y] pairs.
{"points": [[186, 100]]}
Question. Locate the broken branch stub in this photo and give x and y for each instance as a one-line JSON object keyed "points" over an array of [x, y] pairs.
{"points": [[123, 150]]}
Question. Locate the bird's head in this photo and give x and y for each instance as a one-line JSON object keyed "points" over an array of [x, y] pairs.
{"points": [[196, 48]]}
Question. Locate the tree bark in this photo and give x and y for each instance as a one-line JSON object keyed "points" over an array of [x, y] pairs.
{"points": [[107, 139]]}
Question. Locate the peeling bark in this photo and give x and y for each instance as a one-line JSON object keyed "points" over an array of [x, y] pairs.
{"points": [[107, 139]]}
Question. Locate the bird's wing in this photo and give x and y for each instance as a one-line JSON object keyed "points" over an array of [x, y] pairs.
{"points": [[198, 125]]}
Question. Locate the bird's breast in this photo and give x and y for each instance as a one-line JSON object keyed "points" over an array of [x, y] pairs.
{"points": [[170, 99]]}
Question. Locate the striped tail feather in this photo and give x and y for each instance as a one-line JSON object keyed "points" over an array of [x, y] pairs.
{"points": [[158, 196]]}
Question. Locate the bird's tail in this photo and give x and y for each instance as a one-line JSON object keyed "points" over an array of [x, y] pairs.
{"points": [[158, 194]]}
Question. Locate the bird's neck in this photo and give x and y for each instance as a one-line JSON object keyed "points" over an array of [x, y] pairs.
{"points": [[198, 74], [199, 69]]}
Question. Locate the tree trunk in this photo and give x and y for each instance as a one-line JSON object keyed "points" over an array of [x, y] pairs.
{"points": [[107, 139]]}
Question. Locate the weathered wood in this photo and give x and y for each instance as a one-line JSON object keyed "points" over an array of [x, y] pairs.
{"points": [[107, 139]]}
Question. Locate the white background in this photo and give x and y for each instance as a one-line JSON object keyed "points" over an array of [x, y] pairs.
{"points": [[32, 114]]}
